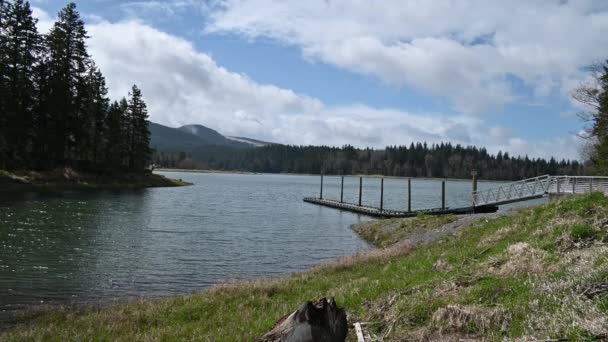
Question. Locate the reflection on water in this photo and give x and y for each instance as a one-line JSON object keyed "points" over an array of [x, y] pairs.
{"points": [[78, 247]]}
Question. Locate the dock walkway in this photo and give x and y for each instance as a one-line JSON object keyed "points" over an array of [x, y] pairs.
{"points": [[387, 213], [483, 201]]}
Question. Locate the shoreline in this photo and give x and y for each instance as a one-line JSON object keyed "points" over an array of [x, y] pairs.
{"points": [[472, 279], [70, 180]]}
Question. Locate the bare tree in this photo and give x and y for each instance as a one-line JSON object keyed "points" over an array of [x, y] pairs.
{"points": [[588, 94]]}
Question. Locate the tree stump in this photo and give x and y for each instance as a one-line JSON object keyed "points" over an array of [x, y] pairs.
{"points": [[321, 321]]}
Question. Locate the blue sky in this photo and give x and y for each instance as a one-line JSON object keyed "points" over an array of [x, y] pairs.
{"points": [[365, 73]]}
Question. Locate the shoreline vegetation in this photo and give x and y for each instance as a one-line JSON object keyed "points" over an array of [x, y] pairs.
{"points": [[533, 274], [68, 179]]}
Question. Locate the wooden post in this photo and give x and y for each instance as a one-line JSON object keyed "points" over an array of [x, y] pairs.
{"points": [[342, 191], [381, 194], [443, 194], [360, 189], [409, 195], [474, 174], [321, 194]]}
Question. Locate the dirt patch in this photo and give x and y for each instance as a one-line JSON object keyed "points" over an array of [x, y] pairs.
{"points": [[463, 221]]}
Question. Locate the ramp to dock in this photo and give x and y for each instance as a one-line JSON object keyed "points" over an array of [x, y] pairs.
{"points": [[539, 187]]}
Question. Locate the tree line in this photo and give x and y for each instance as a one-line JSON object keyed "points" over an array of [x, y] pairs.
{"points": [[417, 160], [54, 107]]}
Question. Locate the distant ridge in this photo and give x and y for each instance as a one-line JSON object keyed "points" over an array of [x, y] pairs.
{"points": [[191, 139]]}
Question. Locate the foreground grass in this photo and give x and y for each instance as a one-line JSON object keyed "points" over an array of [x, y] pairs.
{"points": [[536, 275], [68, 179]]}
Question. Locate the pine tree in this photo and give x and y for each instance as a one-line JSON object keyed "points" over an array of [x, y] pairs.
{"points": [[42, 119], [116, 148], [600, 127], [5, 8], [68, 69], [139, 134], [94, 108], [21, 45]]}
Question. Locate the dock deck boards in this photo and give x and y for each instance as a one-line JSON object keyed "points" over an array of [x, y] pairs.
{"points": [[388, 213]]}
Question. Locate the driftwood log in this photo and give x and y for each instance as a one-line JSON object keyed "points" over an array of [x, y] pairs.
{"points": [[321, 321]]}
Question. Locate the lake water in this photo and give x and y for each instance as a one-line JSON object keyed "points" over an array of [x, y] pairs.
{"points": [[97, 247]]}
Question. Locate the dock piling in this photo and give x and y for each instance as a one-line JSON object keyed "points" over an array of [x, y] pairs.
{"points": [[443, 194], [342, 191], [321, 192], [474, 174], [409, 195], [381, 194], [360, 189]]}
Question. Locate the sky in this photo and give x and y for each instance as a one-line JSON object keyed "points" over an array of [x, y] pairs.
{"points": [[496, 74]]}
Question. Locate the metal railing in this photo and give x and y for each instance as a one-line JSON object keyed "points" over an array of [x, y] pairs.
{"points": [[539, 187]]}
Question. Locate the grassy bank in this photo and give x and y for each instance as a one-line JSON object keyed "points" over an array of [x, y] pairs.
{"points": [[68, 179], [538, 274]]}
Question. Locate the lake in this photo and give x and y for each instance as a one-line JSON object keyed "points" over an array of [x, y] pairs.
{"points": [[98, 247]]}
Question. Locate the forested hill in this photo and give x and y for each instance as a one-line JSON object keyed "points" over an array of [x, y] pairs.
{"points": [[417, 160]]}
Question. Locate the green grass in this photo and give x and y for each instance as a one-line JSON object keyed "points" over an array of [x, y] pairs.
{"points": [[517, 276], [580, 232]]}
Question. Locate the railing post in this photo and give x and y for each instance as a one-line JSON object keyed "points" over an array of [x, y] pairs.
{"points": [[591, 185], [574, 186], [557, 179], [381, 193], [409, 195], [360, 189], [342, 191], [443, 194], [321, 192]]}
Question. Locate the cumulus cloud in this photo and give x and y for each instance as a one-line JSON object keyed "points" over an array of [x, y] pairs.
{"points": [[182, 85], [466, 51]]}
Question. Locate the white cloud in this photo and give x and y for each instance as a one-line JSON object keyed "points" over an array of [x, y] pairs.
{"points": [[463, 50], [182, 86]]}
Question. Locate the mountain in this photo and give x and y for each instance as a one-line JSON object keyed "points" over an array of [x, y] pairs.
{"points": [[195, 139], [211, 137]]}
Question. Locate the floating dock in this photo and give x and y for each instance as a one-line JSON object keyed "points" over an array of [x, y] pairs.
{"points": [[387, 213]]}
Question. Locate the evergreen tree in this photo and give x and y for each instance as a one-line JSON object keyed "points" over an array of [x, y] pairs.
{"points": [[94, 109], [5, 8], [42, 119], [600, 127], [68, 69], [138, 132], [116, 148], [21, 44]]}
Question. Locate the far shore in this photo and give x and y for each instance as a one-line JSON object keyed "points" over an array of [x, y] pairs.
{"points": [[236, 172]]}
